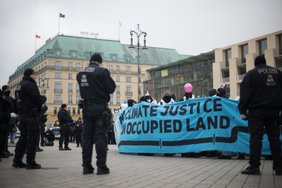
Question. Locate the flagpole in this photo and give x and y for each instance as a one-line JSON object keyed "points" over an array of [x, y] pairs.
{"points": [[35, 44], [119, 25], [119, 31], [59, 26]]}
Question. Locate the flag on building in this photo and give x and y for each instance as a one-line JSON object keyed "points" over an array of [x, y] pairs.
{"points": [[37, 36], [62, 15]]}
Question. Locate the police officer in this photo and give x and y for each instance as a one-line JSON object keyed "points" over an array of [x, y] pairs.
{"points": [[30, 106], [96, 85], [260, 100], [5, 117], [11, 124], [65, 122]]}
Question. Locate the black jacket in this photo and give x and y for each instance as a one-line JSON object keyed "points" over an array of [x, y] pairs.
{"points": [[5, 109], [12, 103], [95, 84], [64, 117], [31, 100], [261, 91]]}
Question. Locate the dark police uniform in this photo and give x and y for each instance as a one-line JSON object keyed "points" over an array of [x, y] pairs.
{"points": [[8, 125], [65, 121], [95, 85], [4, 120], [30, 107], [260, 101]]}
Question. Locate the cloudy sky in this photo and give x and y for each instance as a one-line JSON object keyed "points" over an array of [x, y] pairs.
{"points": [[189, 26]]}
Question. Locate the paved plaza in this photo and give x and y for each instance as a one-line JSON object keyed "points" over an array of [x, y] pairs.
{"points": [[63, 169]]}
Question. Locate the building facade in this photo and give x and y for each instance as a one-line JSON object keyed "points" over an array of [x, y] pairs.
{"points": [[58, 61], [196, 70], [232, 62]]}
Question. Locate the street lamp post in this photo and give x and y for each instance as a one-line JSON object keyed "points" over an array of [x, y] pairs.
{"points": [[138, 34]]}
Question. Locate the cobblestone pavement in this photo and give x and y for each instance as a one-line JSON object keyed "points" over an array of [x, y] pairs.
{"points": [[63, 169]]}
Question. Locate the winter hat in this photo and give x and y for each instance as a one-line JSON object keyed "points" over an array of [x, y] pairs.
{"points": [[28, 72], [130, 102], [96, 58], [212, 92], [221, 92], [260, 60]]}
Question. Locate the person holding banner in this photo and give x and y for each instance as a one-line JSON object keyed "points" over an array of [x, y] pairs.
{"points": [[259, 103], [167, 98]]}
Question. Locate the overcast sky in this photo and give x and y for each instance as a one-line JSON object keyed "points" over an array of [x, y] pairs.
{"points": [[189, 26]]}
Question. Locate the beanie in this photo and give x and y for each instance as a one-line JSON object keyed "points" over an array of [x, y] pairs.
{"points": [[130, 102], [212, 92], [5, 87], [96, 58], [259, 60], [221, 92], [28, 72]]}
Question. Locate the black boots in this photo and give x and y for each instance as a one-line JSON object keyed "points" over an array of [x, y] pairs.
{"points": [[33, 165], [19, 164], [251, 171], [88, 169], [100, 171], [61, 148], [103, 170], [67, 148], [278, 172]]}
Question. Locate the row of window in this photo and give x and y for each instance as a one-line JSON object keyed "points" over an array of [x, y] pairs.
{"points": [[58, 75], [78, 66], [88, 54], [262, 46], [58, 66], [118, 69]]}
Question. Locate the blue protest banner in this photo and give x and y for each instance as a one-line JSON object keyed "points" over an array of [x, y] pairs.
{"points": [[194, 125]]}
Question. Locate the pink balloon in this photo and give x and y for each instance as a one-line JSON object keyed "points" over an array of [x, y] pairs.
{"points": [[188, 88]]}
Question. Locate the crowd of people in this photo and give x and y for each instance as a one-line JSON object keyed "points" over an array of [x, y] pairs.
{"points": [[260, 103]]}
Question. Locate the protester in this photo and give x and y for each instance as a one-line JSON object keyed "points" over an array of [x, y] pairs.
{"points": [[148, 98], [130, 102], [188, 88], [212, 92], [167, 98], [96, 85], [30, 102], [259, 103], [221, 92], [65, 121]]}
